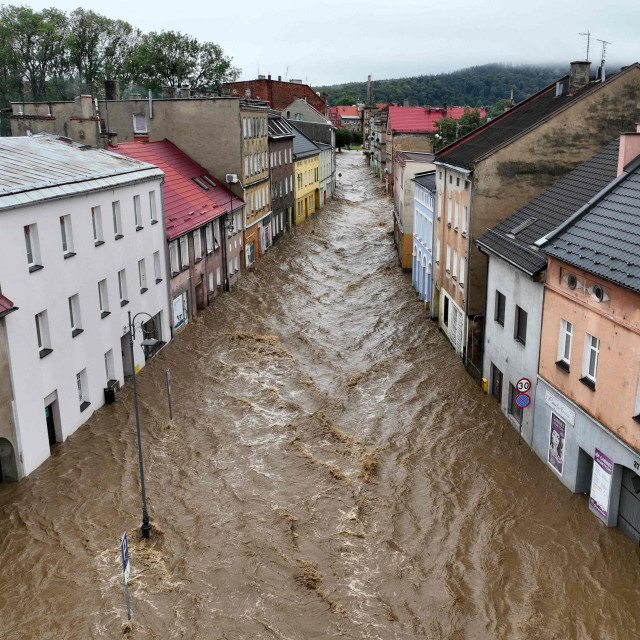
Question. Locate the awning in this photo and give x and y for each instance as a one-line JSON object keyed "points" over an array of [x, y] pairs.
{"points": [[6, 306]]}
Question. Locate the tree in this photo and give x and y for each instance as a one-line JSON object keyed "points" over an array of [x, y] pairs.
{"points": [[357, 137], [344, 138], [345, 101], [173, 58], [450, 129], [37, 47]]}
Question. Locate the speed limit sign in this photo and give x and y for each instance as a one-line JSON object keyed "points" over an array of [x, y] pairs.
{"points": [[523, 385]]}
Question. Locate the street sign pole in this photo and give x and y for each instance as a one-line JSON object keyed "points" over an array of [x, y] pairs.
{"points": [[523, 400], [124, 552], [169, 393]]}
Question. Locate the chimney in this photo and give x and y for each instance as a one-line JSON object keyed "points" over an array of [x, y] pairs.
{"points": [[185, 90], [112, 89], [269, 77], [406, 102], [279, 78], [84, 107], [579, 75], [168, 92], [629, 148]]}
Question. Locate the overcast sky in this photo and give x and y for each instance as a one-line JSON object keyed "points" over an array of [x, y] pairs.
{"points": [[337, 41]]}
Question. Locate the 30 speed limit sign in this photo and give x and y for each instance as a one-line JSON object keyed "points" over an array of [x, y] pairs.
{"points": [[523, 385]]}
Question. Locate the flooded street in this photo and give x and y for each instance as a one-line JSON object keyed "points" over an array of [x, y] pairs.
{"points": [[331, 471]]}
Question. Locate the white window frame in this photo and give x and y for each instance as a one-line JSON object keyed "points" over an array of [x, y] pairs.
{"points": [[463, 268], [42, 331], [184, 251], [153, 213], [96, 223], [75, 318], [137, 212], [455, 264], [448, 260], [122, 287], [208, 232], [591, 346], [174, 258], [197, 245], [117, 219], [565, 336], [32, 245], [449, 208], [157, 267], [136, 129], [142, 275], [103, 297], [465, 218], [66, 235], [456, 219]]}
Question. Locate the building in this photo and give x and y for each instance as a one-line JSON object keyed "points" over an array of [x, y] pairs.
{"points": [[225, 136], [515, 282], [301, 110], [198, 210], [345, 117], [588, 395], [327, 172], [10, 467], [282, 173], [83, 247], [406, 166], [277, 93], [306, 155], [413, 129], [488, 174], [368, 110], [423, 206], [378, 145]]}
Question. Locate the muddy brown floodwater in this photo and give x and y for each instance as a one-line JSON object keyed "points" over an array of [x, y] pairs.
{"points": [[331, 471]]}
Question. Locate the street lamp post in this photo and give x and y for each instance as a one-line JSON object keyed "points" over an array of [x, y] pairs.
{"points": [[146, 342]]}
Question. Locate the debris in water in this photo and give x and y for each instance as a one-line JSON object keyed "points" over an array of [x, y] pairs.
{"points": [[256, 337], [368, 465], [127, 628], [309, 577]]}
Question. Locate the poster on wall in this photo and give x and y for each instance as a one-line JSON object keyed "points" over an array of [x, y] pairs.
{"points": [[601, 484], [178, 312], [557, 435]]}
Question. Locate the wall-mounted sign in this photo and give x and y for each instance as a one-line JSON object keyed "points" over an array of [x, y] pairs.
{"points": [[560, 408], [601, 484]]}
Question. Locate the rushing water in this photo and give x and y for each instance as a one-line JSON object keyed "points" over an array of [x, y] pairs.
{"points": [[331, 471]]}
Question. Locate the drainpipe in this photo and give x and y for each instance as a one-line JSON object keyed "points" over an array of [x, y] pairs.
{"points": [[167, 257], [466, 301]]}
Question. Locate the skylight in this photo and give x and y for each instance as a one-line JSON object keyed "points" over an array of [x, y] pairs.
{"points": [[522, 226], [209, 181], [201, 184]]}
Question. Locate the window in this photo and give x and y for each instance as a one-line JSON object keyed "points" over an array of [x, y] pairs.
{"points": [[96, 221], [437, 250], [74, 315], [32, 246], [448, 261], [465, 219], [514, 410], [246, 165], [590, 360], [449, 212], [499, 308], [83, 389], [456, 220], [137, 213], [152, 207], [184, 252], [457, 182], [108, 365], [218, 276], [139, 123], [520, 326], [117, 220], [197, 245], [463, 268], [157, 267], [211, 285], [564, 345], [445, 313], [174, 258], [122, 287], [103, 296], [209, 237], [455, 264], [42, 333], [67, 239], [142, 275], [216, 234], [236, 265]]}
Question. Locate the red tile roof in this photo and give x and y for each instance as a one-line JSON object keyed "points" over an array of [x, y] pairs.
{"points": [[422, 119], [6, 306], [344, 110], [187, 206]]}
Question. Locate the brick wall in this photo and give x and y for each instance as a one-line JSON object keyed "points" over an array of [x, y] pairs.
{"points": [[278, 94]]}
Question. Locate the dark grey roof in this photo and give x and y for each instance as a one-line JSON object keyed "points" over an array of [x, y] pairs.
{"points": [[550, 209], [302, 146], [510, 125], [426, 180], [323, 146], [604, 239], [415, 156]]}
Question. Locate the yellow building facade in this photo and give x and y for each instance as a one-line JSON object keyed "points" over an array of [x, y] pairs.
{"points": [[307, 186]]}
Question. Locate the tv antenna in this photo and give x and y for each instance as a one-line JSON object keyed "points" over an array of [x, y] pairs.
{"points": [[604, 51], [588, 36], [286, 74]]}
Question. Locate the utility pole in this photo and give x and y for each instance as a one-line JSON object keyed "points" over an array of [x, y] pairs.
{"points": [[588, 36]]}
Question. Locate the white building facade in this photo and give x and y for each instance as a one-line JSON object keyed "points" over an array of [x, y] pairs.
{"points": [[424, 204], [325, 173], [84, 244]]}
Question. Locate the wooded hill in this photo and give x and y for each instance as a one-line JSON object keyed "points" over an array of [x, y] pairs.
{"points": [[479, 86]]}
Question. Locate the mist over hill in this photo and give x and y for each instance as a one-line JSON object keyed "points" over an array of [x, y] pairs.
{"points": [[477, 86]]}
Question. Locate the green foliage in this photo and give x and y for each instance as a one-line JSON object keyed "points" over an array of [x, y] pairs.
{"points": [[450, 129], [49, 54], [357, 137], [475, 86], [345, 101], [343, 138]]}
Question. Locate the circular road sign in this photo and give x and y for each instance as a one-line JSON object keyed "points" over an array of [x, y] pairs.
{"points": [[523, 385], [523, 400]]}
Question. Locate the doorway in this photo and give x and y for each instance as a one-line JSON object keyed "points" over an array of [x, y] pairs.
{"points": [[496, 382], [200, 296], [8, 462], [127, 362], [52, 419]]}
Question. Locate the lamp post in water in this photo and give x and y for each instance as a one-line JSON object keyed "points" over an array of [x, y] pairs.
{"points": [[146, 343]]}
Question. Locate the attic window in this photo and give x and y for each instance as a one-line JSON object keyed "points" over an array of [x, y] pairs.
{"points": [[522, 226], [209, 181], [201, 184]]}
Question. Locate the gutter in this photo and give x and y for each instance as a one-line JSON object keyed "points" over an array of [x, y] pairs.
{"points": [[439, 163]]}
